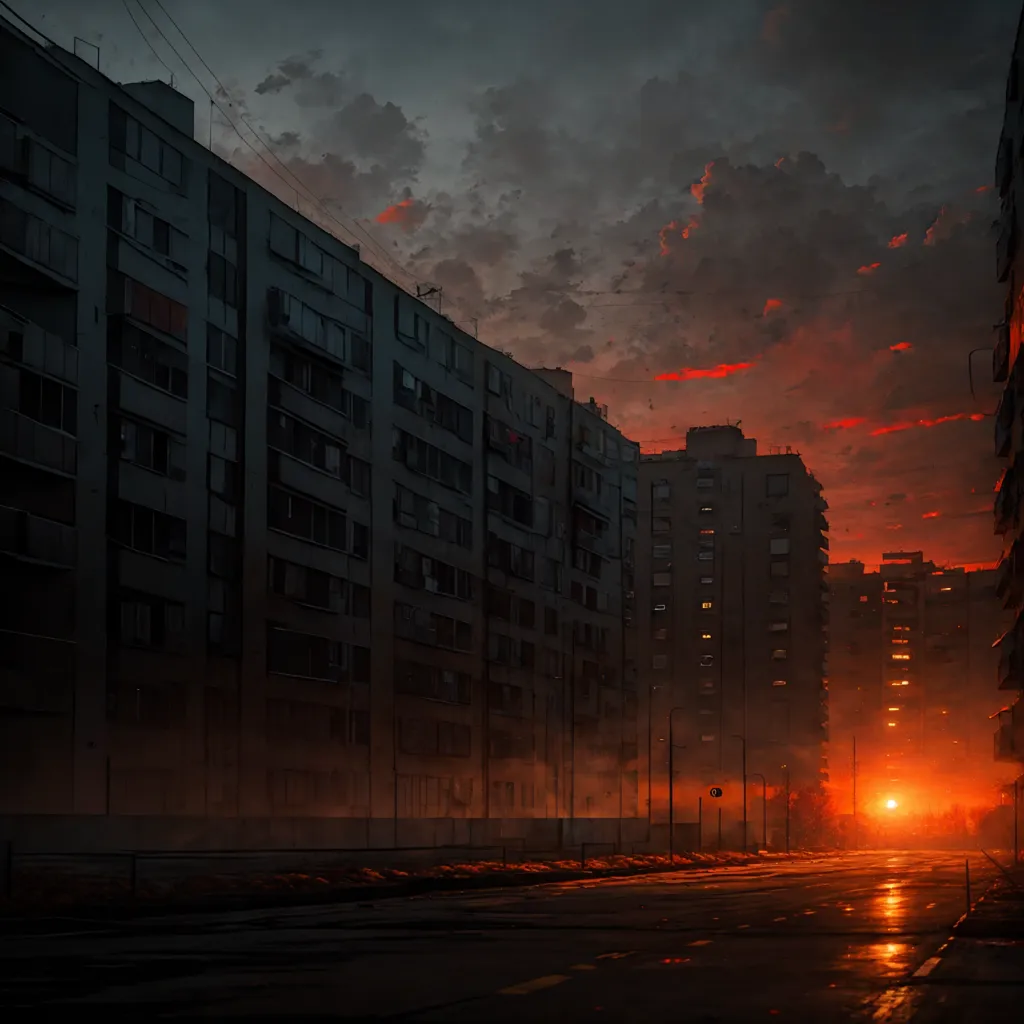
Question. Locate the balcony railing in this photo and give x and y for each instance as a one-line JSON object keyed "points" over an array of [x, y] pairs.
{"points": [[1008, 741], [1001, 354], [26, 342], [29, 441], [37, 540]]}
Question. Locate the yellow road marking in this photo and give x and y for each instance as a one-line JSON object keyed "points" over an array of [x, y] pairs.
{"points": [[526, 987], [778, 919], [927, 967]]}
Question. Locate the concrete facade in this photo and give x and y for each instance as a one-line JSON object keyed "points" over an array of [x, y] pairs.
{"points": [[281, 540], [1009, 424], [731, 582]]}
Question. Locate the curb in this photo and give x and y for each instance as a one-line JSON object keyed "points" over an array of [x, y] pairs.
{"points": [[125, 912]]}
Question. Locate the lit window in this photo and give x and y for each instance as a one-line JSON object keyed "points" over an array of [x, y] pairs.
{"points": [[863, 598], [779, 655], [892, 725], [707, 580], [706, 510], [705, 636], [900, 657], [707, 532], [899, 640], [945, 589], [778, 682], [900, 682], [894, 709], [707, 605]]}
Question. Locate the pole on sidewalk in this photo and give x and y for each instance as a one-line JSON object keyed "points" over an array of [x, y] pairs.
{"points": [[1016, 819], [967, 876], [700, 824]]}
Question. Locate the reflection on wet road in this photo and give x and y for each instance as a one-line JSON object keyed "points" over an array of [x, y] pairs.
{"points": [[819, 940]]}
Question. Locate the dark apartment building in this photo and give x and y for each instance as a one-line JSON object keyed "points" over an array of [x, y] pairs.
{"points": [[732, 601], [278, 538], [1009, 427]]}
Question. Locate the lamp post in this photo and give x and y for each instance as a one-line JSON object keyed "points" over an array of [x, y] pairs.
{"points": [[671, 783], [764, 808], [743, 741], [786, 766]]}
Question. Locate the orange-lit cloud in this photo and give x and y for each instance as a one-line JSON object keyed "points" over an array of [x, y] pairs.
{"points": [[845, 424], [408, 214], [930, 515], [698, 187], [707, 373], [898, 241], [894, 428], [771, 304], [931, 235], [901, 346], [665, 233], [780, 161], [868, 268], [983, 188]]}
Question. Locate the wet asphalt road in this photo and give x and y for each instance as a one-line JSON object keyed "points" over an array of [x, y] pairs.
{"points": [[830, 939]]}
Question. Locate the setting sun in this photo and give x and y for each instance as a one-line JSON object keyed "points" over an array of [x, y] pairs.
{"points": [[891, 805]]}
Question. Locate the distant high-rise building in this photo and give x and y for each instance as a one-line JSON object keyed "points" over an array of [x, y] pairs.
{"points": [[911, 660], [732, 606]]}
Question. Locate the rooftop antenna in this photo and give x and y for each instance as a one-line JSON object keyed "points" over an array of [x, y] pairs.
{"points": [[88, 45]]}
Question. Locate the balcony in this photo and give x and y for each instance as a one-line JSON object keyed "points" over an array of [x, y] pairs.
{"points": [[1007, 503], [1004, 421], [1006, 244], [1010, 676], [1001, 354], [24, 342], [28, 441], [38, 246], [33, 539], [1008, 742], [1008, 584]]}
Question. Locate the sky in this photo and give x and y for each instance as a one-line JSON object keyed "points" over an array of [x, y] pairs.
{"points": [[777, 214]]}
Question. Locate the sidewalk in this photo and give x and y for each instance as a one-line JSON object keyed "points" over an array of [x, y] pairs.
{"points": [[978, 978]]}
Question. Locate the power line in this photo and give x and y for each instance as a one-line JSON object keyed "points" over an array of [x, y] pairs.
{"points": [[146, 39], [354, 228]]}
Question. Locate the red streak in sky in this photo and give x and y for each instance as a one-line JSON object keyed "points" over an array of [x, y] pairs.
{"points": [[931, 515], [770, 305], [709, 373], [929, 235], [898, 241], [868, 268], [894, 428], [845, 424], [901, 346], [398, 213]]}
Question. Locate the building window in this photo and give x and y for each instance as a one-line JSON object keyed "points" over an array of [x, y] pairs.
{"points": [[662, 579], [152, 449], [661, 491], [221, 350], [777, 485], [661, 524], [705, 481], [780, 568], [707, 510], [779, 546], [778, 627], [662, 550], [154, 309], [705, 556], [779, 654], [707, 532], [706, 606], [659, 661], [707, 581], [900, 657], [134, 140], [778, 597], [150, 532], [152, 622], [707, 660], [863, 598], [778, 682], [152, 361], [48, 402], [705, 635]]}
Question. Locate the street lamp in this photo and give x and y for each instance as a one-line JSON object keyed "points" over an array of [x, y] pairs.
{"points": [[743, 740], [764, 808], [786, 766], [671, 782]]}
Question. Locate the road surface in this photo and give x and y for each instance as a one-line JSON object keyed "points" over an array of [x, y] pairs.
{"points": [[830, 939]]}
